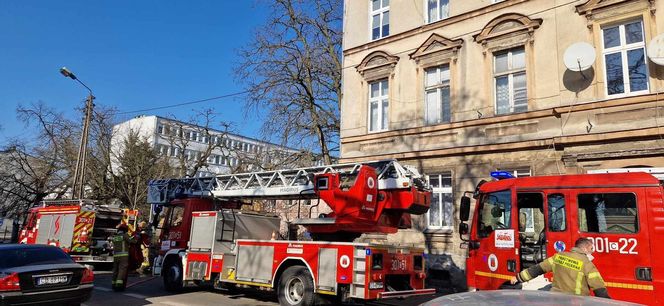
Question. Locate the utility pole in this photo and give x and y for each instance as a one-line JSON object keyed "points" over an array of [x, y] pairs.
{"points": [[79, 170]]}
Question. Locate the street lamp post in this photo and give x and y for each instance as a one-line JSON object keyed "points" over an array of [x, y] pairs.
{"points": [[79, 170]]}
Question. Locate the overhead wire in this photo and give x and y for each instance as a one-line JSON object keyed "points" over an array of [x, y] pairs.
{"points": [[185, 103]]}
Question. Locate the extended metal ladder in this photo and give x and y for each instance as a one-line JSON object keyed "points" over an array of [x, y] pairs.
{"points": [[277, 184]]}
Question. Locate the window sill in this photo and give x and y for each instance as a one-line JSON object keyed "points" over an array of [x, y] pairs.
{"points": [[377, 131], [444, 230]]}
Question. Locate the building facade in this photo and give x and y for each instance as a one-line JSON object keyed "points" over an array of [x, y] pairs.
{"points": [[460, 88], [226, 152]]}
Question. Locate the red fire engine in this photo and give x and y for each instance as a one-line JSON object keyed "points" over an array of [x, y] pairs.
{"points": [[80, 227], [518, 222], [206, 237]]}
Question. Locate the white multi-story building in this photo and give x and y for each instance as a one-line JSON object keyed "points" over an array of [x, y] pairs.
{"points": [[187, 142]]}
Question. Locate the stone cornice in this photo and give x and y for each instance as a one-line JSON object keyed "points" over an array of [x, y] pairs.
{"points": [[554, 111], [435, 25]]}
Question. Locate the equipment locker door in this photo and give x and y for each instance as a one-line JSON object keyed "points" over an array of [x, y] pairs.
{"points": [[65, 234], [44, 225], [497, 256]]}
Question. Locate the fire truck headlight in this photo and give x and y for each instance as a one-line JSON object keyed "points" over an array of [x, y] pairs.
{"points": [[375, 285]]}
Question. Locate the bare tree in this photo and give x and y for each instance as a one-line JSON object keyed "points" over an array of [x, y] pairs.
{"points": [[292, 69], [36, 168], [192, 144]]}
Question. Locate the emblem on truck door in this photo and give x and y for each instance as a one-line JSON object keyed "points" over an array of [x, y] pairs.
{"points": [[493, 262], [344, 261]]}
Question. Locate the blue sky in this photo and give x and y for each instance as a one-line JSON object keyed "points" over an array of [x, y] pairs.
{"points": [[133, 54]]}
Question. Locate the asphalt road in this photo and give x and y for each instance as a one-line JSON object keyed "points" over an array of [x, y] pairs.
{"points": [[148, 290]]}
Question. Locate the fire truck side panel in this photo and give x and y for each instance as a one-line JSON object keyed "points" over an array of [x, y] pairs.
{"points": [[281, 254], [655, 198], [255, 263], [44, 227], [66, 234], [56, 228], [327, 269], [197, 266], [619, 252], [83, 231], [203, 231]]}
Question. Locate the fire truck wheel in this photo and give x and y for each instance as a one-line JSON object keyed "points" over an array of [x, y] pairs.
{"points": [[296, 287], [172, 273]]}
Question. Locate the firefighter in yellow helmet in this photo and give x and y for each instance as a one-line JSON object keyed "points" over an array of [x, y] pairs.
{"points": [[121, 242], [144, 240], [573, 271]]}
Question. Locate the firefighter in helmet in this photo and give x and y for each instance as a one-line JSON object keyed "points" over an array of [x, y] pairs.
{"points": [[144, 240], [121, 242], [573, 271]]}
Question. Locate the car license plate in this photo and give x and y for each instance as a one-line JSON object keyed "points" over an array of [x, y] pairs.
{"points": [[52, 280]]}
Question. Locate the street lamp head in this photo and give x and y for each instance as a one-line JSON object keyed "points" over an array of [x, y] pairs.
{"points": [[64, 71]]}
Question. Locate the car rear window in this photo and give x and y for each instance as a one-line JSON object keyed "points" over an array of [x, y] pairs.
{"points": [[10, 258]]}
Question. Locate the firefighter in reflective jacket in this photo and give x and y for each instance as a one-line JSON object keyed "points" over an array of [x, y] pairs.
{"points": [[121, 242], [573, 272], [143, 238]]}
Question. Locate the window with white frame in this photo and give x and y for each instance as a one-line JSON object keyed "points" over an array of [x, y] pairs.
{"points": [[624, 53], [380, 18], [518, 171], [509, 71], [441, 211], [437, 94], [437, 10], [378, 105]]}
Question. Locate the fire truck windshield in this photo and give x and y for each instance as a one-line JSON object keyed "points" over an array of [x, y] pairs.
{"points": [[494, 212]]}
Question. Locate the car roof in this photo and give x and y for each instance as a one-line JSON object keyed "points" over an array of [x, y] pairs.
{"points": [[520, 297], [17, 246]]}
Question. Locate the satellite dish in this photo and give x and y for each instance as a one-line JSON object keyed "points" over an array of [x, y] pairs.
{"points": [[656, 50], [579, 56]]}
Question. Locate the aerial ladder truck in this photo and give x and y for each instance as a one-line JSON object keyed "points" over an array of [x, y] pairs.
{"points": [[207, 238]]}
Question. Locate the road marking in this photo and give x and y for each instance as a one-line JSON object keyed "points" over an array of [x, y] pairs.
{"points": [[136, 295], [141, 281], [103, 289]]}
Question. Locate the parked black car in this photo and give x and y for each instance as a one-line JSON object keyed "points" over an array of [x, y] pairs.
{"points": [[42, 274]]}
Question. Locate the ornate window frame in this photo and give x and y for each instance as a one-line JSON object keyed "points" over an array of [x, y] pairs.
{"points": [[377, 65], [508, 30], [602, 13], [504, 32], [437, 50], [600, 9]]}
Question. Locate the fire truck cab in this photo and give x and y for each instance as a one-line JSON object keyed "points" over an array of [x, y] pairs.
{"points": [[519, 222]]}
